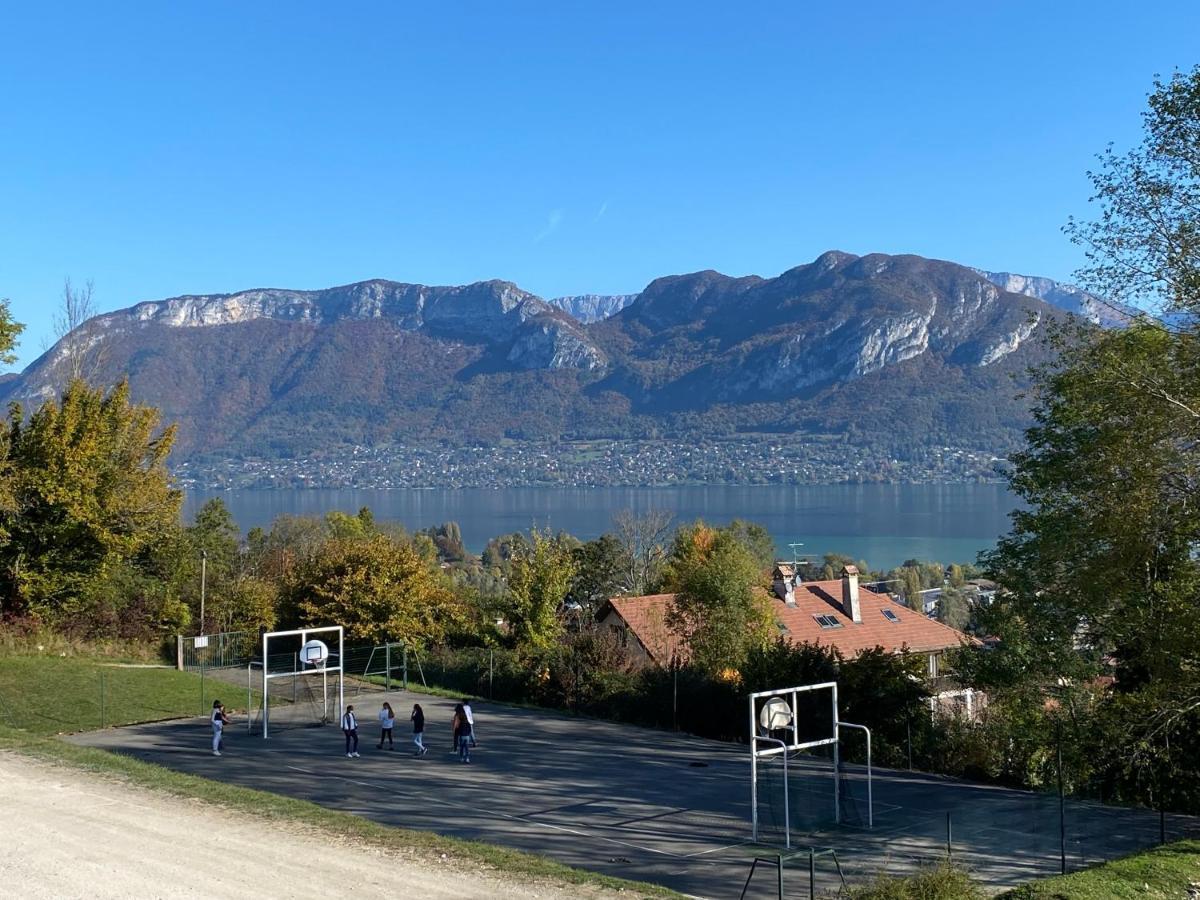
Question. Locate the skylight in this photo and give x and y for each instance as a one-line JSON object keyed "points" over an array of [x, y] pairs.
{"points": [[890, 616], [827, 621]]}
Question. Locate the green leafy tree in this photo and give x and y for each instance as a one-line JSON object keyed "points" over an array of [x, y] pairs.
{"points": [[540, 575], [1100, 574], [377, 587], [954, 609], [910, 586], [956, 575], [1144, 246], [90, 489], [599, 572], [343, 525], [719, 604], [757, 540], [10, 331], [834, 563], [447, 538]]}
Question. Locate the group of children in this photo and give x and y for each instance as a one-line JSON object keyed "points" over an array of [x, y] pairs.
{"points": [[462, 725]]}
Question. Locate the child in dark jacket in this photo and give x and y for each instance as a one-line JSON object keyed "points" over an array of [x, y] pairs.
{"points": [[418, 723]]}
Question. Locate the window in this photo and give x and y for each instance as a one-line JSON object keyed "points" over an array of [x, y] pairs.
{"points": [[890, 616], [783, 629], [827, 621]]}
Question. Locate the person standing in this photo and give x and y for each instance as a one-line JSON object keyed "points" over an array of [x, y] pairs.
{"points": [[455, 722], [418, 723], [350, 730], [219, 721], [466, 706], [387, 721], [462, 734]]}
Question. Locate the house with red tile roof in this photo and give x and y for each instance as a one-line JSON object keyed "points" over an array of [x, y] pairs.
{"points": [[839, 613]]}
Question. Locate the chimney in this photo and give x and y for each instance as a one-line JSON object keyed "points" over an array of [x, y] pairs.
{"points": [[850, 604]]}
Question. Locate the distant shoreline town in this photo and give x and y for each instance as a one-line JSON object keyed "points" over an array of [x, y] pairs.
{"points": [[762, 460]]}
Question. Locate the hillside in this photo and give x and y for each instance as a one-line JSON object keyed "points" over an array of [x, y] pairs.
{"points": [[899, 349]]}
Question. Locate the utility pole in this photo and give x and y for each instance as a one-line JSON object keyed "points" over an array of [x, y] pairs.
{"points": [[203, 579]]}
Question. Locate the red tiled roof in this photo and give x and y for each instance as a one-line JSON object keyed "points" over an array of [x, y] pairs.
{"points": [[913, 631], [647, 619]]}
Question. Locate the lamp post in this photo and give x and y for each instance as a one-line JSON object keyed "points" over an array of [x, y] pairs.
{"points": [[203, 578]]}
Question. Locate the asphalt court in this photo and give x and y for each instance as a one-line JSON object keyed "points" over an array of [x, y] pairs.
{"points": [[631, 802]]}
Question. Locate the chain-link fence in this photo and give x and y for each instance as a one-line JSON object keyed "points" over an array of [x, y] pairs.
{"points": [[68, 695]]}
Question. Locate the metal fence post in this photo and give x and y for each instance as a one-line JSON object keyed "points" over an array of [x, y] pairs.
{"points": [[387, 668], [405, 663], [812, 875], [908, 735], [491, 671], [949, 838], [201, 688], [101, 698], [1062, 815]]}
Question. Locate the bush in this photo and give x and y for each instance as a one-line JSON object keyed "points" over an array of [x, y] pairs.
{"points": [[940, 882]]}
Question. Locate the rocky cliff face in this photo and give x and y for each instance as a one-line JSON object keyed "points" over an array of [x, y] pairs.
{"points": [[837, 319], [1066, 297], [588, 308], [823, 346], [518, 326]]}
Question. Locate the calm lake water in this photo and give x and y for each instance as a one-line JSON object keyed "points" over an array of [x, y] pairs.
{"points": [[883, 524]]}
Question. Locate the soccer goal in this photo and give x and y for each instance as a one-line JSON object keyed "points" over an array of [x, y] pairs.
{"points": [[798, 779], [295, 672]]}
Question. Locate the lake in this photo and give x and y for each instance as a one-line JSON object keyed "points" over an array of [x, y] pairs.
{"points": [[884, 524]]}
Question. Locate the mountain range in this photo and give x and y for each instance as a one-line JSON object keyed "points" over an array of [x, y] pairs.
{"points": [[905, 350]]}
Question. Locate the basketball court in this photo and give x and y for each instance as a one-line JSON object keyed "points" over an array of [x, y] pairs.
{"points": [[634, 802]]}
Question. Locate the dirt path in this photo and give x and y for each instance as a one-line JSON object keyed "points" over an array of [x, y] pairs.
{"points": [[68, 834]]}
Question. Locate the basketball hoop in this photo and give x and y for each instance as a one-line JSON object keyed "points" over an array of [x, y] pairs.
{"points": [[314, 653], [775, 715]]}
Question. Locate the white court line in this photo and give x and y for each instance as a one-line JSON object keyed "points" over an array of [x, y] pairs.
{"points": [[717, 849]]}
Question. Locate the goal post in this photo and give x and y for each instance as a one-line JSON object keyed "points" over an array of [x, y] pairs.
{"points": [[314, 657], [787, 721]]}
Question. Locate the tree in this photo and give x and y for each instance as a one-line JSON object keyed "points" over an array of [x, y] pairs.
{"points": [[643, 541], [1100, 574], [757, 540], [910, 586], [343, 525], [447, 538], [540, 576], [1144, 247], [719, 606], [956, 575], [10, 330], [953, 609], [80, 356], [834, 563], [599, 572], [379, 588], [90, 490]]}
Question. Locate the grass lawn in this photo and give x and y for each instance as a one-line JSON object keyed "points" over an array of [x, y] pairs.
{"points": [[60, 695], [1166, 871]]}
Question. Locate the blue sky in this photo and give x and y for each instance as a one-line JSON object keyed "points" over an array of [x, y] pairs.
{"points": [[172, 148]]}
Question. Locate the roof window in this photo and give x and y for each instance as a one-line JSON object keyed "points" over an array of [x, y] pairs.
{"points": [[890, 616], [827, 621]]}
